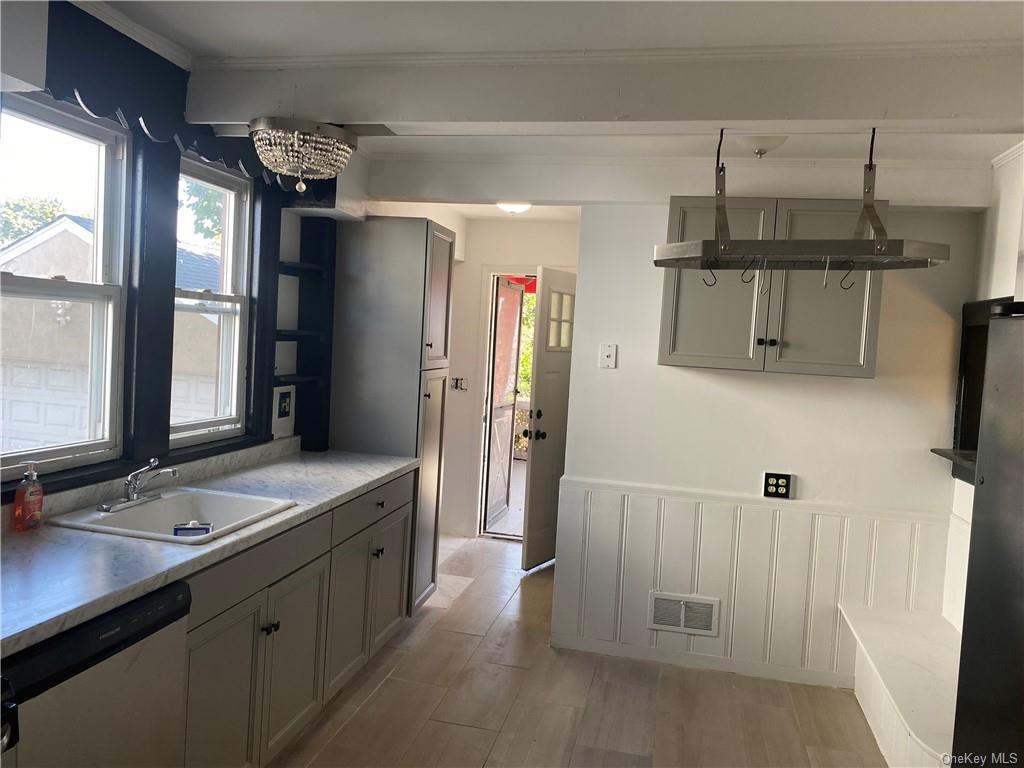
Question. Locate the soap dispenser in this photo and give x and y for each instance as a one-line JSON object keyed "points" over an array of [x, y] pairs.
{"points": [[28, 502]]}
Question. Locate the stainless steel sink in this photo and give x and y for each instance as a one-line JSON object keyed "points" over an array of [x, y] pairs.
{"points": [[157, 519]]}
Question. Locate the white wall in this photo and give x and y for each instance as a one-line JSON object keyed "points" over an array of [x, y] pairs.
{"points": [[491, 245], [958, 548], [664, 467], [861, 442], [1001, 243], [23, 31]]}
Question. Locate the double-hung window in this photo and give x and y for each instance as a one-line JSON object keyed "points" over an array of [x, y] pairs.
{"points": [[63, 185], [210, 304]]}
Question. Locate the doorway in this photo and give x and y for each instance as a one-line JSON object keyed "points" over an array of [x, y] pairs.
{"points": [[510, 368]]}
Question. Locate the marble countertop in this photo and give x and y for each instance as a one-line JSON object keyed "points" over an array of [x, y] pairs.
{"points": [[56, 578]]}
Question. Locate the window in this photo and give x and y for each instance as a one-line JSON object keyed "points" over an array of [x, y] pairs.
{"points": [[62, 234], [560, 320], [210, 305]]}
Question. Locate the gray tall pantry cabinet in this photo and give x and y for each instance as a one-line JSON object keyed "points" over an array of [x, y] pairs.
{"points": [[392, 310], [782, 321]]}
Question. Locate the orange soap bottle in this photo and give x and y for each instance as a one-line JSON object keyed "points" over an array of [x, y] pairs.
{"points": [[28, 502]]}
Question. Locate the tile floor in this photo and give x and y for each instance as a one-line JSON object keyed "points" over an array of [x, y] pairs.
{"points": [[472, 681]]}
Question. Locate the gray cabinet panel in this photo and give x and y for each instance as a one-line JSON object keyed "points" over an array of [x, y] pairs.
{"points": [[818, 329], [437, 310], [425, 530], [225, 686], [715, 326], [391, 576], [362, 512], [294, 666], [347, 628]]}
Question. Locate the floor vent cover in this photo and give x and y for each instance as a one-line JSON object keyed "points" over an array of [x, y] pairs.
{"points": [[689, 614]]}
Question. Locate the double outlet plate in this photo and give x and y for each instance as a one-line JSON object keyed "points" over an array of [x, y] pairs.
{"points": [[778, 485]]}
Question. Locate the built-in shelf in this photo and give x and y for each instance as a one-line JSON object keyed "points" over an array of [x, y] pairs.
{"points": [[300, 269], [297, 335], [906, 678], [294, 378], [965, 463]]}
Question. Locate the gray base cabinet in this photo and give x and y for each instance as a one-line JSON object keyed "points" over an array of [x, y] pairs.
{"points": [[293, 687], [390, 576], [428, 498], [777, 320], [348, 642], [255, 672], [225, 687]]}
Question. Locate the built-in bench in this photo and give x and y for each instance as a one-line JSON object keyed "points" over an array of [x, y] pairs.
{"points": [[905, 680]]}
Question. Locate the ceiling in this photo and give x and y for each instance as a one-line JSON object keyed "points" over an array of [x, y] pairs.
{"points": [[323, 29]]}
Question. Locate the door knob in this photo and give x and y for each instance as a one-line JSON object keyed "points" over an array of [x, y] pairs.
{"points": [[541, 435], [539, 413], [527, 433]]}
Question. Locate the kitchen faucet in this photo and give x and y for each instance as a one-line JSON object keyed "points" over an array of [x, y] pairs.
{"points": [[134, 484], [138, 479]]}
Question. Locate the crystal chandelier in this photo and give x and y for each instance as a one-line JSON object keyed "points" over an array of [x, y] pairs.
{"points": [[301, 148]]}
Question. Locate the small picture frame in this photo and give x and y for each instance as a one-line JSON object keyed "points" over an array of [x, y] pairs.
{"points": [[284, 411]]}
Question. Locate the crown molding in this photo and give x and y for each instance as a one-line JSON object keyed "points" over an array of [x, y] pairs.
{"points": [[159, 44], [624, 56], [1008, 156]]}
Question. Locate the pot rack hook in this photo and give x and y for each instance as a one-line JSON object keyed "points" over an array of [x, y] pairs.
{"points": [[714, 278], [763, 273], [718, 153], [824, 280], [842, 283], [746, 269], [871, 149]]}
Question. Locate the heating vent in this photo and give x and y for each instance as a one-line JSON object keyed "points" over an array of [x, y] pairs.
{"points": [[689, 614]]}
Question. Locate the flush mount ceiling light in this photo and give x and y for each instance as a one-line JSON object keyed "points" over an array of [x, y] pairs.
{"points": [[762, 145], [515, 208], [861, 252], [301, 148]]}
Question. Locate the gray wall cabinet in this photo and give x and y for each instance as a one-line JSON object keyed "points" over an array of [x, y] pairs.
{"points": [[392, 323], [781, 321]]}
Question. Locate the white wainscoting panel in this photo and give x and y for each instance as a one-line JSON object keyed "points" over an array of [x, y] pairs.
{"points": [[779, 572]]}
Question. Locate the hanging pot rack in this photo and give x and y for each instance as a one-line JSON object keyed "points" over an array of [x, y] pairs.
{"points": [[868, 249]]}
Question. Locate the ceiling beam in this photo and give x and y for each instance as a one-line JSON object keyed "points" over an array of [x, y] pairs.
{"points": [[967, 91]]}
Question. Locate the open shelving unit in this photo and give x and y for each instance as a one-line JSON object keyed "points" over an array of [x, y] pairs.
{"points": [[313, 336]]}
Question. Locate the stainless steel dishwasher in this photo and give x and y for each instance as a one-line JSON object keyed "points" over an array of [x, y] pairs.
{"points": [[109, 692]]}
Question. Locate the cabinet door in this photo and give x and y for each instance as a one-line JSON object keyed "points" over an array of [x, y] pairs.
{"points": [[715, 326], [294, 676], [390, 577], [437, 309], [348, 642], [424, 545], [818, 329], [225, 687]]}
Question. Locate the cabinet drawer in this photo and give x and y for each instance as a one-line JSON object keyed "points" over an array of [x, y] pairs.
{"points": [[354, 516]]}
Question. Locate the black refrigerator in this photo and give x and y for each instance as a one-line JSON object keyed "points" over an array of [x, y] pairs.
{"points": [[990, 694]]}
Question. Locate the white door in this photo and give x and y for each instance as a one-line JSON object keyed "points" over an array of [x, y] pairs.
{"points": [[552, 353]]}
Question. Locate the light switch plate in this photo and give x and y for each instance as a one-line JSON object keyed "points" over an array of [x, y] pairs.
{"points": [[609, 356]]}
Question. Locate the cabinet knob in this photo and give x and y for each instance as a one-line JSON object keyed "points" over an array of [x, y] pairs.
{"points": [[760, 341], [426, 395], [267, 629], [429, 345], [773, 342], [378, 553], [381, 503], [541, 435]]}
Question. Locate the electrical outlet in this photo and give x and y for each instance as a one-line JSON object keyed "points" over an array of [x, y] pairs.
{"points": [[778, 485]]}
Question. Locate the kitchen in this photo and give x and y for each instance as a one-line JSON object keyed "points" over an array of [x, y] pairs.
{"points": [[312, 572]]}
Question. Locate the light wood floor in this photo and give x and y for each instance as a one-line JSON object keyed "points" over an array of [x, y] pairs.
{"points": [[472, 681]]}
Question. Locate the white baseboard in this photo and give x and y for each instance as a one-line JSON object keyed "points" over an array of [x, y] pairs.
{"points": [[701, 661]]}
